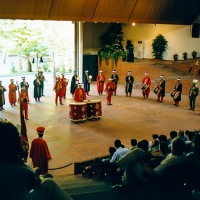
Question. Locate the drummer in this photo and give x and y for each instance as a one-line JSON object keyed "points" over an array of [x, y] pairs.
{"points": [[110, 87], [178, 88], [161, 86], [146, 82], [79, 95]]}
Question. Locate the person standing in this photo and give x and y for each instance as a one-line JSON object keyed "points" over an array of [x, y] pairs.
{"points": [[79, 95], [100, 82], [25, 100], [2, 97], [193, 93], [12, 90], [115, 78], [37, 88], [110, 87], [74, 83], [58, 90], [24, 84], [146, 83], [161, 89], [64, 85], [178, 88], [42, 79], [87, 80], [39, 152], [129, 84]]}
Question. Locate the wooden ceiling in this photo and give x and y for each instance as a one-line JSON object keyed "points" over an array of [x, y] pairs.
{"points": [[182, 12]]}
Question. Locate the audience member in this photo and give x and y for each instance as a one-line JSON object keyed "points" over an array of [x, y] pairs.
{"points": [[133, 144], [155, 142], [182, 135]]}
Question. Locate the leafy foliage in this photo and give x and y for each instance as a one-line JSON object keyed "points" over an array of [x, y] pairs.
{"points": [[159, 46]]}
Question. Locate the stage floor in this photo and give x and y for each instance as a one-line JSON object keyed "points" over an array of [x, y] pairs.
{"points": [[127, 118]]}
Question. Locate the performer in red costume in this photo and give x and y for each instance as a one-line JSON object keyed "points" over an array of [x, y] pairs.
{"points": [[25, 100], [79, 95], [110, 87], [58, 90], [39, 152], [146, 83], [64, 85], [12, 93], [100, 82]]}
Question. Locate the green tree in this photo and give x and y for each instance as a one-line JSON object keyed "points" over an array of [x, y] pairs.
{"points": [[159, 46]]}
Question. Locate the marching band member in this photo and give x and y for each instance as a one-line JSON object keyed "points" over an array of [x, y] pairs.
{"points": [[178, 88], [12, 89], [42, 79], [115, 78], [146, 82], [193, 93], [110, 87], [58, 90], [161, 87], [74, 83], [87, 80], [37, 88], [64, 85], [79, 95], [129, 84], [2, 97], [24, 84], [100, 82], [25, 100]]}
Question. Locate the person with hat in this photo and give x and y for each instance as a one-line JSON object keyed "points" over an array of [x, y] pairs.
{"points": [[58, 90], [25, 100], [24, 84], [37, 88], [129, 84], [146, 83], [161, 89], [64, 82], [39, 152], [87, 80], [115, 80], [193, 93], [79, 95], [12, 90], [2, 97], [178, 89], [74, 83], [110, 87], [42, 79], [100, 82]]}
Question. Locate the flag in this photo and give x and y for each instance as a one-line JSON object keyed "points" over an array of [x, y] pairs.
{"points": [[23, 135]]}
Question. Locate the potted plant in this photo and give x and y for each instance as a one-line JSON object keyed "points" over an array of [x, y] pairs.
{"points": [[194, 54], [185, 55], [175, 56]]}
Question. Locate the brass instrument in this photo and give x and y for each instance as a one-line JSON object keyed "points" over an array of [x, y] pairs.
{"points": [[90, 79]]}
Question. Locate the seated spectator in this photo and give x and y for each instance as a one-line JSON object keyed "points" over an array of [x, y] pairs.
{"points": [[155, 142], [18, 180], [120, 152], [189, 143], [182, 135], [133, 144], [173, 134]]}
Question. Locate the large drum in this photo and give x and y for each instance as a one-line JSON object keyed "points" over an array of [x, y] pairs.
{"points": [[173, 92], [93, 109], [77, 111], [145, 87]]}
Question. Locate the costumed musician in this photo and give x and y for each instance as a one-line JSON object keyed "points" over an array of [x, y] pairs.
{"points": [[42, 79], [12, 93], [115, 80], [2, 96], [25, 100], [37, 88], [100, 82], [58, 90], [64, 82], [161, 89], [129, 84], [74, 83], [79, 95], [87, 79], [176, 93], [24, 84], [193, 93], [110, 87], [146, 82]]}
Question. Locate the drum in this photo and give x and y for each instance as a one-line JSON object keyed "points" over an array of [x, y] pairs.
{"points": [[176, 95], [145, 87], [77, 111], [156, 90], [173, 93], [94, 110]]}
